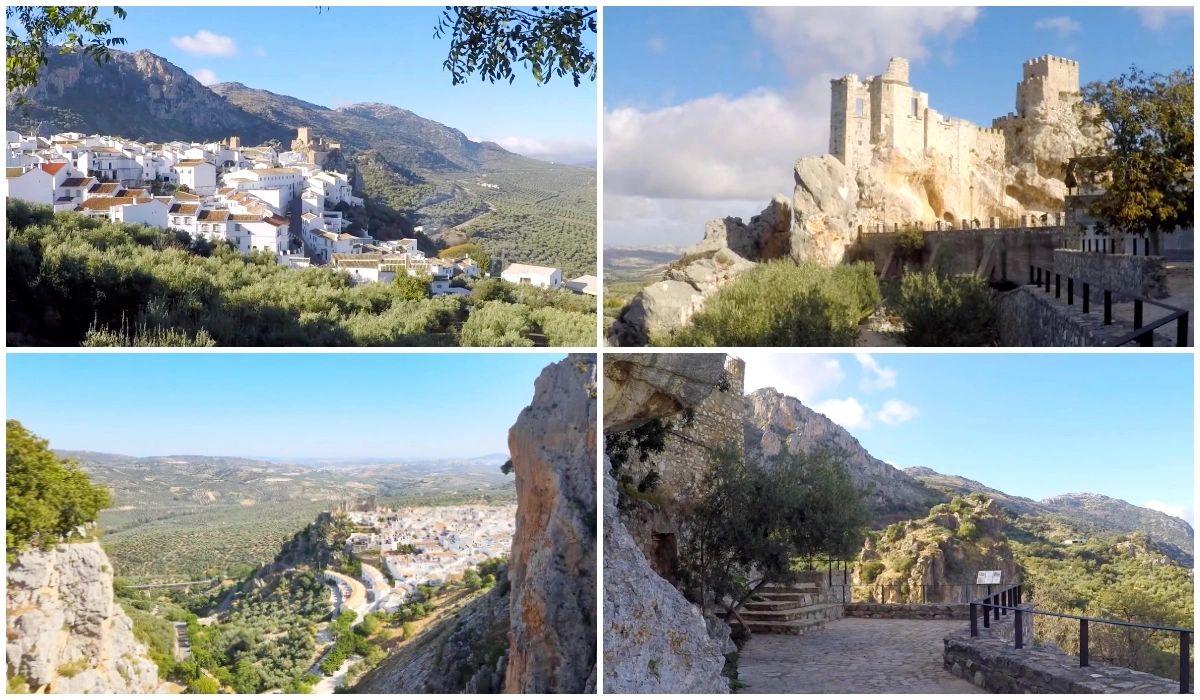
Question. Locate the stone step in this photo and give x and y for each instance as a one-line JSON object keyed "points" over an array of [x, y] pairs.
{"points": [[793, 627], [820, 611], [772, 604]]}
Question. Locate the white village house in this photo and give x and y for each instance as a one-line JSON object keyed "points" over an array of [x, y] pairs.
{"points": [[536, 275]]}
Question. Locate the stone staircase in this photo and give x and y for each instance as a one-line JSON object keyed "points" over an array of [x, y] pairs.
{"points": [[792, 609]]}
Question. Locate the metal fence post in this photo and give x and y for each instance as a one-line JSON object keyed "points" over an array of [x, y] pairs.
{"points": [[1137, 313], [1083, 642], [1070, 291], [1057, 285], [1018, 630], [1087, 301], [1181, 328], [974, 621], [1185, 663], [987, 615], [1108, 307], [996, 600]]}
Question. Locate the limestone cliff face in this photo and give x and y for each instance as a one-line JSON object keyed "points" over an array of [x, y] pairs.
{"points": [[936, 558], [65, 632], [135, 94], [552, 635], [655, 640], [774, 421]]}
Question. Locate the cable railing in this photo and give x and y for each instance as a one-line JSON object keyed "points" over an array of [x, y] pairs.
{"points": [[1142, 334], [1007, 600]]}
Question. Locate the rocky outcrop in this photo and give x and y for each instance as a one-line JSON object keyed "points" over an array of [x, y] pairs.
{"points": [[65, 632], [729, 248], [639, 387], [158, 101], [774, 422], [654, 639], [552, 635], [464, 651], [935, 559]]}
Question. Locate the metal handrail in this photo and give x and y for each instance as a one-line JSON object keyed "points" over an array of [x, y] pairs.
{"points": [[1008, 599], [1142, 333]]}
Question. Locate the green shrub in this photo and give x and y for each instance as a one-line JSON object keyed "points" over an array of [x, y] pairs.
{"points": [[782, 304], [871, 571], [946, 311], [46, 498], [495, 323], [967, 531]]}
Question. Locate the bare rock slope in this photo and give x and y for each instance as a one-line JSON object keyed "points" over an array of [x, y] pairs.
{"points": [[65, 632]]}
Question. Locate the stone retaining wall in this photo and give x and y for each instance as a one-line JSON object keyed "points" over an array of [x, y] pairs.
{"points": [[1127, 276], [908, 611], [990, 661], [997, 254], [1029, 317]]}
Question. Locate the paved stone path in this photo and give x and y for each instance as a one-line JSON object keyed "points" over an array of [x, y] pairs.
{"points": [[853, 655]]}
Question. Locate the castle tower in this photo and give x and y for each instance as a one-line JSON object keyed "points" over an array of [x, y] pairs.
{"points": [[1047, 82], [849, 120], [897, 70], [304, 135]]}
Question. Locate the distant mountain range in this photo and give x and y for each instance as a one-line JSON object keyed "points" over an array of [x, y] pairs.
{"points": [[1087, 512], [177, 480], [140, 95]]}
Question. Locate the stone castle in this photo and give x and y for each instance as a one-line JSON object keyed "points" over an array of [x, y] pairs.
{"points": [[885, 113]]}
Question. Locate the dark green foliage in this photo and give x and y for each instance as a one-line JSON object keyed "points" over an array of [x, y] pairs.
{"points": [[45, 498], [783, 304], [73, 280], [411, 287], [759, 519], [650, 481], [549, 41], [507, 467], [946, 311], [267, 640], [1146, 120]]}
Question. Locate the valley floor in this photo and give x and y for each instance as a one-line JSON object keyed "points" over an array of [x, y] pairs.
{"points": [[853, 655]]}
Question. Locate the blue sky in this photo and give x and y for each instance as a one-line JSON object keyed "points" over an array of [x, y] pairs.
{"points": [[706, 109], [345, 55], [1033, 425], [274, 406]]}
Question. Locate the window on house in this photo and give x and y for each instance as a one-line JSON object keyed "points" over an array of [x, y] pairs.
{"points": [[914, 106]]}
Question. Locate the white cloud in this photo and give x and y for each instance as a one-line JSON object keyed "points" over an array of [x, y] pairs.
{"points": [[1156, 18], [848, 412], [657, 44], [1184, 512], [812, 40], [205, 43], [574, 151], [205, 76], [803, 376], [874, 375], [895, 412], [740, 148], [1063, 25], [716, 147]]}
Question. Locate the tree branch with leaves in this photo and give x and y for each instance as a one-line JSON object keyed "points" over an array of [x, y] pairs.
{"points": [[489, 41], [44, 29]]}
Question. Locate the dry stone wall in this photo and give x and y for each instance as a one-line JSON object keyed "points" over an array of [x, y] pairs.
{"points": [[1126, 276]]}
